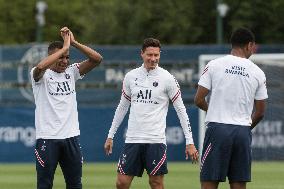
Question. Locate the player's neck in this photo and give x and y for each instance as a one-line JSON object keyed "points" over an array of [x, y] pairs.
{"points": [[239, 52]]}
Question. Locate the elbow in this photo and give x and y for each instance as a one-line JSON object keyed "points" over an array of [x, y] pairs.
{"points": [[97, 59], [40, 68]]}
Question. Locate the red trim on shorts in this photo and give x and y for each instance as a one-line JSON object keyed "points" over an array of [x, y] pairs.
{"points": [[41, 162], [120, 168], [161, 162], [208, 149]]}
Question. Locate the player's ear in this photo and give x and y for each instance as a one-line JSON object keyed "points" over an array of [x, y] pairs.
{"points": [[249, 49], [251, 46], [141, 53]]}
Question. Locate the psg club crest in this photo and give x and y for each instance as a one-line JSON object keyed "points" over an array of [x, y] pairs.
{"points": [[155, 84], [67, 76]]}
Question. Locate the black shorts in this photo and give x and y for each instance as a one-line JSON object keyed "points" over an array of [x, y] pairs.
{"points": [[135, 157], [226, 153], [66, 153]]}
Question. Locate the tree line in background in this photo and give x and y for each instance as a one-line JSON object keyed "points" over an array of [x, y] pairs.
{"points": [[130, 21]]}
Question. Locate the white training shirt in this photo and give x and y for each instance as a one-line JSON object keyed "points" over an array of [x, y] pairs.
{"points": [[234, 84], [148, 93], [56, 115]]}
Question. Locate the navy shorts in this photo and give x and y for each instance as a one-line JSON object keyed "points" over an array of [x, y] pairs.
{"points": [[66, 153], [135, 157], [226, 153]]}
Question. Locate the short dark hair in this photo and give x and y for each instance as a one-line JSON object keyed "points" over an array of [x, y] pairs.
{"points": [[55, 45], [241, 37], [150, 42]]}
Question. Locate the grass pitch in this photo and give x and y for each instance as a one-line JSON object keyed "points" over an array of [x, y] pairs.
{"points": [[265, 175]]}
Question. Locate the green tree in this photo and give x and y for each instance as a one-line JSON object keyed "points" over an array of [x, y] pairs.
{"points": [[130, 21], [17, 22], [263, 17]]}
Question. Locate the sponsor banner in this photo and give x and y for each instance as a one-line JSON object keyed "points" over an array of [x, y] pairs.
{"points": [[17, 134], [268, 135]]}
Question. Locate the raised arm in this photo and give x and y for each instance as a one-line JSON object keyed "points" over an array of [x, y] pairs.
{"points": [[94, 58], [52, 57]]}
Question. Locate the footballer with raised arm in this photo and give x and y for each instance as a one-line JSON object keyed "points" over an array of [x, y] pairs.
{"points": [[56, 115]]}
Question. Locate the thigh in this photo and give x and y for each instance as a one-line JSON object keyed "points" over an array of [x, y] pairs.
{"points": [[156, 159], [216, 153], [240, 165], [47, 155], [71, 162], [131, 160]]}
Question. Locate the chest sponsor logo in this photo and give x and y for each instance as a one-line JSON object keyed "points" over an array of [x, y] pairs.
{"points": [[62, 88], [145, 96]]}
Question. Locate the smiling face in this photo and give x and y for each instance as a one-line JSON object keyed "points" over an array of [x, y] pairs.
{"points": [[151, 57], [62, 63]]}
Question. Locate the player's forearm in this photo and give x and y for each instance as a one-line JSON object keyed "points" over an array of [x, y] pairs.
{"points": [[184, 120], [93, 56], [119, 115], [47, 62], [51, 59], [256, 118], [199, 99], [201, 103]]}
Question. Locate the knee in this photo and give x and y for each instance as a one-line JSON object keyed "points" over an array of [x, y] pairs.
{"points": [[73, 183], [156, 183], [238, 185], [44, 183], [209, 185], [121, 185], [44, 186]]}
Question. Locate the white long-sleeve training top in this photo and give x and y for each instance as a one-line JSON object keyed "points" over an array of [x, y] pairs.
{"points": [[148, 94]]}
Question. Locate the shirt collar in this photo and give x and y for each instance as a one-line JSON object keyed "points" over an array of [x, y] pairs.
{"points": [[151, 72]]}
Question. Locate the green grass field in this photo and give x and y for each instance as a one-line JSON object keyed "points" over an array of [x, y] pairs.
{"points": [[265, 175]]}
